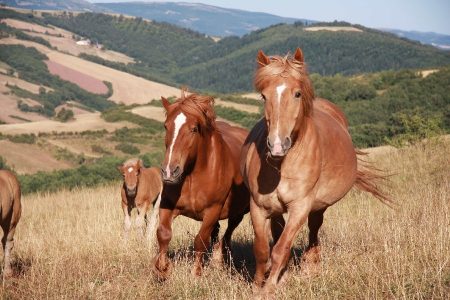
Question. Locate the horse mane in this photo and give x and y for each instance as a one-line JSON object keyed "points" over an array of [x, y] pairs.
{"points": [[286, 66], [132, 162], [199, 106]]}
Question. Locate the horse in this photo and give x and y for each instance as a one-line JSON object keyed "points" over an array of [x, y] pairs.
{"points": [[298, 159], [11, 210], [201, 178], [141, 188]]}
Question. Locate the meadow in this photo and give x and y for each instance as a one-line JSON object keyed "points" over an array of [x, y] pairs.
{"points": [[69, 244]]}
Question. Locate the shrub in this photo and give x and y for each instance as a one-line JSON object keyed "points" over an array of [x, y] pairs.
{"points": [[127, 148], [64, 115]]}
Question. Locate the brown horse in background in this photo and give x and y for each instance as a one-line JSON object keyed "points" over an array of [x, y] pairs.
{"points": [[201, 177], [11, 210], [299, 159], [141, 189]]}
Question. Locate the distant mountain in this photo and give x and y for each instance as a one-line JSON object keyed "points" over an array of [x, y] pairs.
{"points": [[436, 39], [207, 19], [69, 5]]}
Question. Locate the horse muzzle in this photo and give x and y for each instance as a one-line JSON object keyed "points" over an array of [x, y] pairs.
{"points": [[131, 191], [171, 175], [278, 149]]}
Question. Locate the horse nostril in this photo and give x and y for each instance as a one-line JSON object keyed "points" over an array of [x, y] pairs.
{"points": [[269, 144], [176, 171], [287, 143], [163, 172]]}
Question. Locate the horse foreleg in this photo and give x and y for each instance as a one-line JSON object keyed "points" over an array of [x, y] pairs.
{"points": [[261, 246], [202, 239], [311, 257], [141, 218], [126, 221], [164, 235], [8, 244], [282, 249]]}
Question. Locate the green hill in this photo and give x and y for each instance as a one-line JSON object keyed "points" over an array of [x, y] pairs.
{"points": [[186, 57]]}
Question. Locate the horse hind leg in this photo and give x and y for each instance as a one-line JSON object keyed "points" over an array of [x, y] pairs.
{"points": [[311, 257], [224, 246]]}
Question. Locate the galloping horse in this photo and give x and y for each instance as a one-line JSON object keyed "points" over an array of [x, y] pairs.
{"points": [[298, 159], [201, 177], [11, 210], [141, 189]]}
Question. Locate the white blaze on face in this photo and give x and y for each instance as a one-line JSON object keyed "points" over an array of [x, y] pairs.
{"points": [[179, 121], [277, 142], [130, 169]]}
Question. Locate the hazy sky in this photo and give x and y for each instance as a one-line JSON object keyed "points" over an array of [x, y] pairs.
{"points": [[421, 15]]}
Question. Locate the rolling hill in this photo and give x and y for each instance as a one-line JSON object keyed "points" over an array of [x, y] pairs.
{"points": [[208, 19], [69, 5], [181, 56]]}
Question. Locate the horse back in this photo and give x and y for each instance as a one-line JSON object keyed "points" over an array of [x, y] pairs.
{"points": [[150, 183], [10, 195], [331, 109], [234, 138]]}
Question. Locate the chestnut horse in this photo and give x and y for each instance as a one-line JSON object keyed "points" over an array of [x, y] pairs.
{"points": [[141, 189], [201, 177], [299, 159], [11, 210]]}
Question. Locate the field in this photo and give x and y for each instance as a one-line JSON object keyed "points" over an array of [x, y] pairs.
{"points": [[69, 245], [127, 88]]}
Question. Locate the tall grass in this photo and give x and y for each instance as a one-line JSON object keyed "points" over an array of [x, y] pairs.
{"points": [[69, 245]]}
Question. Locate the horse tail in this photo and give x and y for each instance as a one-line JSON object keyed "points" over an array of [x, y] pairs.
{"points": [[369, 179]]}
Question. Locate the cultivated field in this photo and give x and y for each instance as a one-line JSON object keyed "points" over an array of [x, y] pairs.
{"points": [[68, 245], [127, 88], [63, 41]]}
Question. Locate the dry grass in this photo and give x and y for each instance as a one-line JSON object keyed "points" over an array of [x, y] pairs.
{"points": [[69, 245], [30, 159], [82, 122]]}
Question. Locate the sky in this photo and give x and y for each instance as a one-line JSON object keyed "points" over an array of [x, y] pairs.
{"points": [[420, 15]]}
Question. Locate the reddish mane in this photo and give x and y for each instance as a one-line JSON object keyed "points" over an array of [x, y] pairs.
{"points": [[199, 106], [286, 67]]}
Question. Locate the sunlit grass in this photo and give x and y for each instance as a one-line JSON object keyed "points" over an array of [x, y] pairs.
{"points": [[69, 245]]}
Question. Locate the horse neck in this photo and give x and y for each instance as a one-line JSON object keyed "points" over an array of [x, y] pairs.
{"points": [[209, 149]]}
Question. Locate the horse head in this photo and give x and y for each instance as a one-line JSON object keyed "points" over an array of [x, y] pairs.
{"points": [[288, 94], [188, 121], [130, 171]]}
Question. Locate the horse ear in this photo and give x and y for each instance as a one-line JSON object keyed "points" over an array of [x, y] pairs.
{"points": [[298, 56], [262, 59], [165, 103], [120, 168]]}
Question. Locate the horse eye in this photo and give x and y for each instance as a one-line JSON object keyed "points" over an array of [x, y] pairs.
{"points": [[195, 129], [298, 95], [263, 97]]}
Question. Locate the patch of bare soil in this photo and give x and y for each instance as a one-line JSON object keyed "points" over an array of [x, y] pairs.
{"points": [[28, 159], [84, 81]]}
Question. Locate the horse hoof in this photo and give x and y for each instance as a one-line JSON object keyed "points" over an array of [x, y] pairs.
{"points": [[162, 272], [196, 272]]}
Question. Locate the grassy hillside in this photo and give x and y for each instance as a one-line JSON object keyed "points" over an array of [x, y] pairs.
{"points": [[69, 245], [185, 57]]}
